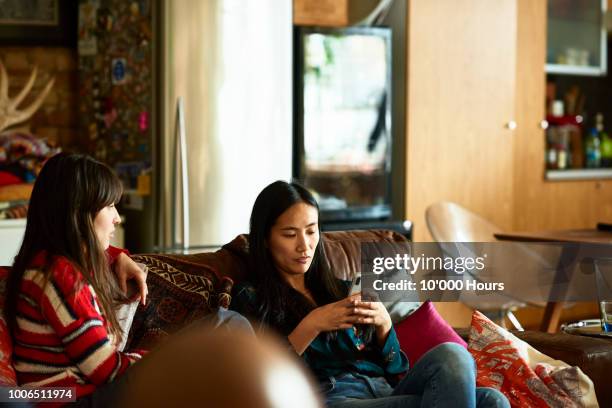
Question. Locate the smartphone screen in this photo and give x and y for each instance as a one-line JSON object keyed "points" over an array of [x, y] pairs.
{"points": [[356, 288]]}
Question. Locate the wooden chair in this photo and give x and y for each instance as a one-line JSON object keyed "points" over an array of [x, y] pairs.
{"points": [[449, 222], [454, 228]]}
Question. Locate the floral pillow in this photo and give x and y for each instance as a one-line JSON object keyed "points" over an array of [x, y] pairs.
{"points": [[527, 377], [7, 373]]}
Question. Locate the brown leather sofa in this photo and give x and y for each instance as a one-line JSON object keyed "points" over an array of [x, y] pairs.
{"points": [[592, 355]]}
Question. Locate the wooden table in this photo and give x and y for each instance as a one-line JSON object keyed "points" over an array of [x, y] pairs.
{"points": [[552, 313]]}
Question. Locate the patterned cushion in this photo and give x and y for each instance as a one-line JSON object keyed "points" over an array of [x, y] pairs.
{"points": [[527, 377], [179, 293], [7, 374]]}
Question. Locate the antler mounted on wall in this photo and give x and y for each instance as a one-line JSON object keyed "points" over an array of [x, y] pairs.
{"points": [[9, 114]]}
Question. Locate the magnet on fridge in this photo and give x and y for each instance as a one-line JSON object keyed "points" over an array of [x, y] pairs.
{"points": [[132, 201], [145, 31], [110, 117], [134, 9], [131, 140], [109, 23], [108, 104], [93, 131], [87, 42], [100, 152], [143, 121], [116, 142], [143, 186], [118, 71], [139, 54], [144, 7]]}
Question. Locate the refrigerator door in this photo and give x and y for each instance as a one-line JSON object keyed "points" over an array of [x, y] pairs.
{"points": [[231, 63]]}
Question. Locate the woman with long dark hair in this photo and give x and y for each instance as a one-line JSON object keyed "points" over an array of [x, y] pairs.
{"points": [[348, 343], [67, 281]]}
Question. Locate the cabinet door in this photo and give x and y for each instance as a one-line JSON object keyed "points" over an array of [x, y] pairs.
{"points": [[576, 36], [542, 204], [461, 84]]}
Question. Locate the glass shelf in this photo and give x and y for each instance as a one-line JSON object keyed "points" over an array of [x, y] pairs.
{"points": [[577, 43]]}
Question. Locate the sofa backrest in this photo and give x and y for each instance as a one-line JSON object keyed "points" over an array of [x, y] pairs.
{"points": [[343, 250], [178, 283]]}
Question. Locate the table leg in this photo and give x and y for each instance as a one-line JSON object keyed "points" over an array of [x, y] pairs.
{"points": [[552, 314]]}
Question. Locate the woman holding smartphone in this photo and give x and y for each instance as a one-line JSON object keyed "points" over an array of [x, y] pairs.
{"points": [[348, 343]]}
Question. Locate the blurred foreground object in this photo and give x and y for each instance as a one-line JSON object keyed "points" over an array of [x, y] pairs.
{"points": [[211, 368]]}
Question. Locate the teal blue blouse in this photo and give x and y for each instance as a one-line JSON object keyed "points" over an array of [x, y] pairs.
{"points": [[333, 356]]}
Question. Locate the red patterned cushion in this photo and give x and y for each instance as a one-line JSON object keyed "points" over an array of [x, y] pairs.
{"points": [[527, 377], [179, 293], [7, 373], [423, 330]]}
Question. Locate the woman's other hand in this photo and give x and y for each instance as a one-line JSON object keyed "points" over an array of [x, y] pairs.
{"points": [[374, 313], [335, 316], [126, 269]]}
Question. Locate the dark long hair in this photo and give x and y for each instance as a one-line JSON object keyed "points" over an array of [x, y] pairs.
{"points": [[68, 193], [280, 305]]}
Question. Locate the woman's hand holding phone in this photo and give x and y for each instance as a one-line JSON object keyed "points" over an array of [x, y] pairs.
{"points": [[335, 316], [374, 313], [343, 314]]}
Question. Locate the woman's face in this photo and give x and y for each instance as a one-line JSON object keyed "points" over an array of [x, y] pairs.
{"points": [[294, 238], [104, 225]]}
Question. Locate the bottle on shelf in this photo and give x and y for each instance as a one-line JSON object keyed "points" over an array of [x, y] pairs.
{"points": [[551, 148], [592, 150], [605, 145], [563, 139]]}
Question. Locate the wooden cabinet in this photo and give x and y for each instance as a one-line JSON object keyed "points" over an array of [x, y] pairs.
{"points": [[461, 85], [541, 204], [467, 78]]}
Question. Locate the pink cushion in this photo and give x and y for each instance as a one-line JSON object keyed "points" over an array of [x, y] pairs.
{"points": [[7, 373], [423, 330]]}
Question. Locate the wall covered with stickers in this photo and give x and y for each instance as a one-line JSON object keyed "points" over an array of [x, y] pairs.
{"points": [[115, 63]]}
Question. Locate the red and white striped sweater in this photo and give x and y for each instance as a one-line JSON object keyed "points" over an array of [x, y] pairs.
{"points": [[61, 338]]}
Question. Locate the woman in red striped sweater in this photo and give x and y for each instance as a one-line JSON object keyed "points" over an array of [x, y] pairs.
{"points": [[63, 288]]}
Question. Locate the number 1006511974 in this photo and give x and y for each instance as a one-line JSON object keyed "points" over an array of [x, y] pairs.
{"points": [[46, 394]]}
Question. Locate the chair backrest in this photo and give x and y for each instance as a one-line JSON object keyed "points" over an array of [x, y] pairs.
{"points": [[449, 222]]}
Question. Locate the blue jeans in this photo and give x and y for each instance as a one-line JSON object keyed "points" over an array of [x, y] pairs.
{"points": [[444, 377]]}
